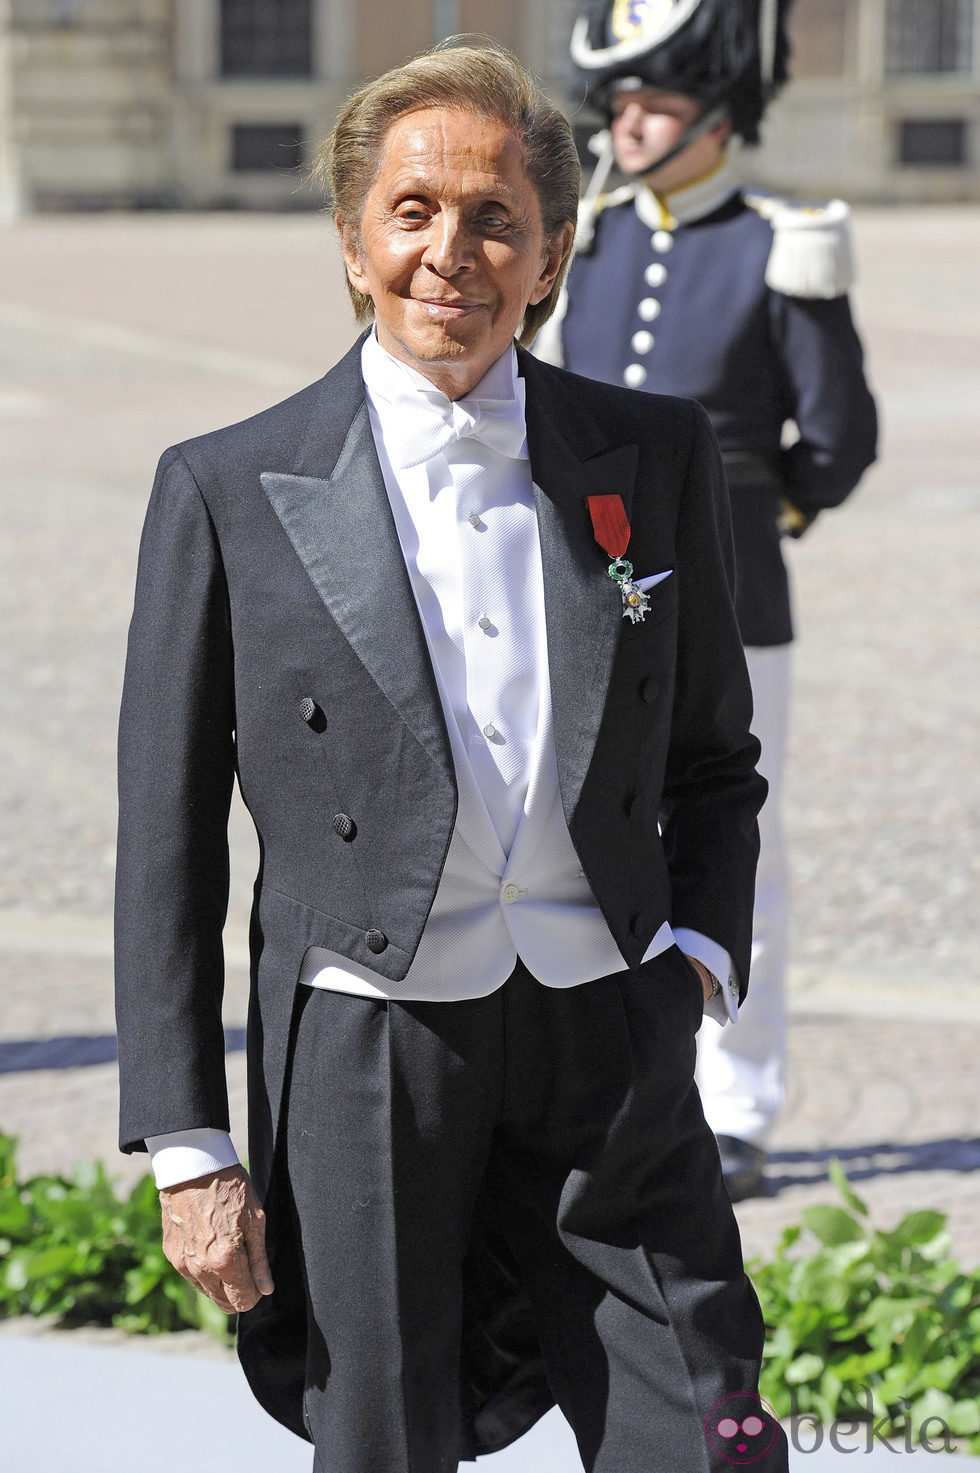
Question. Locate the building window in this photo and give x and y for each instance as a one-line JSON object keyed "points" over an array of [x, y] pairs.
{"points": [[264, 147], [266, 38], [928, 36], [932, 143]]}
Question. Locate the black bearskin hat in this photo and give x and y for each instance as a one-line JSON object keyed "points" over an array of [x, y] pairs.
{"points": [[732, 54]]}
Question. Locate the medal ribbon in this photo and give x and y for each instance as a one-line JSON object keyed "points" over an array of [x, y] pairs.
{"points": [[610, 523]]}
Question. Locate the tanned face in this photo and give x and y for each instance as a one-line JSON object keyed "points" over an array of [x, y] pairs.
{"points": [[451, 246]]}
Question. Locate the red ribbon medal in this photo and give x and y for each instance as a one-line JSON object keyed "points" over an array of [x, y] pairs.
{"points": [[611, 528]]}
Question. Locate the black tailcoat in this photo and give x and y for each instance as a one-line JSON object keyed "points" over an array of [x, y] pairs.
{"points": [[271, 576]]}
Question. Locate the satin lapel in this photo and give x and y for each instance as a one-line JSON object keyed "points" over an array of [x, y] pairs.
{"points": [[342, 529], [583, 607]]}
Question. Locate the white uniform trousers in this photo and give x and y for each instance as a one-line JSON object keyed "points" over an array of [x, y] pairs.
{"points": [[741, 1066]]}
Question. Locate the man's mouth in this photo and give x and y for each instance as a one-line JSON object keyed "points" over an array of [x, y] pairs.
{"points": [[445, 309]]}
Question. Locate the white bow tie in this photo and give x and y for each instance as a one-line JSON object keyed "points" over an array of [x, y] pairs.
{"points": [[414, 437]]}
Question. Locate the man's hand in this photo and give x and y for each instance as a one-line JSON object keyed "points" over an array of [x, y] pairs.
{"points": [[706, 983], [214, 1234]]}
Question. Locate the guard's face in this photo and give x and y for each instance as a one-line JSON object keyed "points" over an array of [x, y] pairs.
{"points": [[646, 124], [451, 246]]}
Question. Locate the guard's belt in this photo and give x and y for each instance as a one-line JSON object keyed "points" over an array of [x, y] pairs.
{"points": [[747, 468]]}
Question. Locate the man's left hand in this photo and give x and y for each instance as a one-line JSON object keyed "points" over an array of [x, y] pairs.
{"points": [[707, 981]]}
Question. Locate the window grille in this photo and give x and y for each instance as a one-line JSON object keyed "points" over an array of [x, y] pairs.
{"points": [[928, 36], [932, 143], [266, 147], [266, 38]]}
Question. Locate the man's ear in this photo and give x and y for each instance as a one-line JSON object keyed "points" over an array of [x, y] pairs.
{"points": [[555, 254], [350, 245]]}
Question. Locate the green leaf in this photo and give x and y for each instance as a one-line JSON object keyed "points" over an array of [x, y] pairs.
{"points": [[837, 1175], [806, 1367], [832, 1225], [919, 1227]]}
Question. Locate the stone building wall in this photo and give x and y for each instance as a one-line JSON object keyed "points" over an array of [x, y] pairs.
{"points": [[128, 103], [91, 101]]}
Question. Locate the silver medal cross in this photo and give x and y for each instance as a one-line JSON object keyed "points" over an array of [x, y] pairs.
{"points": [[635, 601]]}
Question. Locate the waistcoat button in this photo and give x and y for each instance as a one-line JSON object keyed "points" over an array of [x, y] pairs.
{"points": [[376, 941], [344, 826]]}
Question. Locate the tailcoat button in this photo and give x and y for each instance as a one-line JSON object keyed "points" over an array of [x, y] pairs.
{"points": [[376, 941], [344, 826], [311, 713], [649, 690], [662, 240], [634, 375]]}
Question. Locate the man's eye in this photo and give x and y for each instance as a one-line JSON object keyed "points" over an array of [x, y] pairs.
{"points": [[493, 222]]}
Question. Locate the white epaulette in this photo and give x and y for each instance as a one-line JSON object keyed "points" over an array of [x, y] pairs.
{"points": [[811, 246], [590, 209]]}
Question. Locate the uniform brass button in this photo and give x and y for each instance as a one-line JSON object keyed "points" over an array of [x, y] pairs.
{"points": [[648, 309], [655, 274], [641, 342], [376, 941], [634, 375], [662, 240], [649, 690], [344, 826]]}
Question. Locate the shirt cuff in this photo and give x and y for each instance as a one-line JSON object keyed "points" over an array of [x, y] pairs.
{"points": [[724, 1007], [184, 1155]]}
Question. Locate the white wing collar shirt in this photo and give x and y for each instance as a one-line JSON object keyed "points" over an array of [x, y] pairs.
{"points": [[459, 483]]}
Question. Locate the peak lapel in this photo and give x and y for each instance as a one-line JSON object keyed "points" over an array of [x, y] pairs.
{"points": [[341, 527], [583, 606]]}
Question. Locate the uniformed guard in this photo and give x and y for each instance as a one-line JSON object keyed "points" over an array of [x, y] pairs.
{"points": [[685, 285]]}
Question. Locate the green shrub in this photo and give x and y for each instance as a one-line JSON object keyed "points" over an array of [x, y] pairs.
{"points": [[70, 1247], [871, 1316]]}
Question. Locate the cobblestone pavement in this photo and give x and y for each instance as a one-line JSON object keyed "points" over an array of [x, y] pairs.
{"points": [[119, 335]]}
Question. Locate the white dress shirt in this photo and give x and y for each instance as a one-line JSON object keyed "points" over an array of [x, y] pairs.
{"points": [[459, 484]]}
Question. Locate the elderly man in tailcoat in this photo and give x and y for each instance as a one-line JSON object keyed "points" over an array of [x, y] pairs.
{"points": [[461, 625]]}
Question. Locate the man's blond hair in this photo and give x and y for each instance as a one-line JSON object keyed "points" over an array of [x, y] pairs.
{"points": [[482, 78]]}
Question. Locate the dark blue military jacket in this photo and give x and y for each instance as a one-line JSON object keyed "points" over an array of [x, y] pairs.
{"points": [[688, 312]]}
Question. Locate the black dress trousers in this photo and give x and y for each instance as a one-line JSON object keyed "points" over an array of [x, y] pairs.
{"points": [[568, 1121]]}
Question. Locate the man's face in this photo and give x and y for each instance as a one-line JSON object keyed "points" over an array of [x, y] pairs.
{"points": [[647, 123], [451, 247]]}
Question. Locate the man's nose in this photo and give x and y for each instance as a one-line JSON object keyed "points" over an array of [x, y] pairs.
{"points": [[449, 249]]}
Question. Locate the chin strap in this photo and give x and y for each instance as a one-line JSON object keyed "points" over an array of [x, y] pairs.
{"points": [[695, 130]]}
